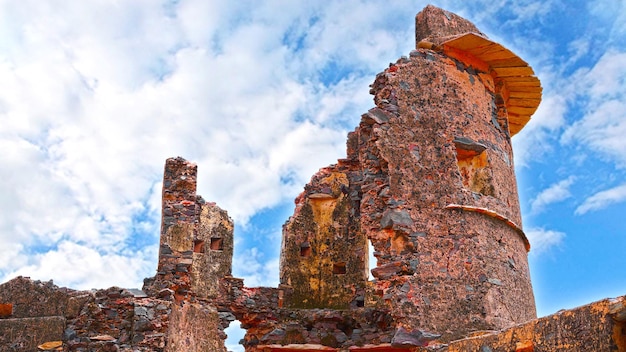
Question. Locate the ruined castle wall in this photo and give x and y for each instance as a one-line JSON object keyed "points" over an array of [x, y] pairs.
{"points": [[194, 328], [429, 176], [178, 223], [21, 292], [212, 249], [443, 217], [324, 254], [599, 326]]}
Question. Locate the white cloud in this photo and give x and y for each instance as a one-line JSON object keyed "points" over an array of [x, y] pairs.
{"points": [[235, 333], [555, 193], [542, 240], [255, 269], [537, 138], [92, 105], [603, 199], [612, 14], [603, 93], [85, 268]]}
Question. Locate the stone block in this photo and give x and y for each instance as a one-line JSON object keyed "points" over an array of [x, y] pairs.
{"points": [[25, 334]]}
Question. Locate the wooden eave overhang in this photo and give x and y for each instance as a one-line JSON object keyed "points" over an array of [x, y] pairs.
{"points": [[523, 89]]}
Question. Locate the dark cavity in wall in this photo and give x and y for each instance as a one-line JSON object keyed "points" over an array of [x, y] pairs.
{"points": [[198, 246], [473, 163], [217, 244]]}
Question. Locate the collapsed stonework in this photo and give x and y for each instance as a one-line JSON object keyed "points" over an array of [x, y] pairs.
{"points": [[428, 181]]}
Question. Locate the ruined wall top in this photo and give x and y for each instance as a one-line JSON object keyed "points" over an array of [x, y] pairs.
{"points": [[518, 89], [432, 23]]}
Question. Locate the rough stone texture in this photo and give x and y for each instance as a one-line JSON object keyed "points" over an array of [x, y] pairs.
{"points": [[428, 180], [213, 249], [116, 318], [51, 300], [102, 320], [434, 101], [25, 334], [196, 245], [431, 149], [432, 24], [316, 241], [594, 327], [194, 327], [178, 225]]}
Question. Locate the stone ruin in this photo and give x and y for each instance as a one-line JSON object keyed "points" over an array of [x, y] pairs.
{"points": [[428, 180]]}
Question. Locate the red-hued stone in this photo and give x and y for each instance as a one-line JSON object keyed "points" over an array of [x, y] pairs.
{"points": [[428, 180], [433, 148]]}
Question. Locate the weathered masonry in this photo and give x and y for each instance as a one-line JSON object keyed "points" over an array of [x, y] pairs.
{"points": [[427, 182]]}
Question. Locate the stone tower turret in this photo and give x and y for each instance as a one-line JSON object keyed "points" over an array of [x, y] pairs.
{"points": [[429, 180], [196, 245]]}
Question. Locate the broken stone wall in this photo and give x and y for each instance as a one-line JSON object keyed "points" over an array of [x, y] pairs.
{"points": [[431, 184], [48, 316], [212, 249], [194, 327], [471, 259], [324, 254], [178, 223]]}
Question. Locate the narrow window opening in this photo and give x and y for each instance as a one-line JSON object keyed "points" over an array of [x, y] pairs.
{"points": [[305, 249], [473, 164], [198, 246], [360, 302], [234, 335], [217, 244], [339, 268], [372, 262]]}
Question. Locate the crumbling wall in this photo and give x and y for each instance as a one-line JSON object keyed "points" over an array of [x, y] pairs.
{"points": [[324, 254], [435, 259], [212, 249], [599, 326], [178, 227], [428, 179], [117, 318], [194, 327], [49, 317]]}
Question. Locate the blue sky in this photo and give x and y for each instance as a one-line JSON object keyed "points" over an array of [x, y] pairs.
{"points": [[95, 95]]}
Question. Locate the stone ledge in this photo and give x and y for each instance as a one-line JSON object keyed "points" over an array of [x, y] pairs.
{"points": [[593, 327]]}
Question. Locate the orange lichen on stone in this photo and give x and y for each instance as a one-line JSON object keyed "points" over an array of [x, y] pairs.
{"points": [[323, 210], [6, 310]]}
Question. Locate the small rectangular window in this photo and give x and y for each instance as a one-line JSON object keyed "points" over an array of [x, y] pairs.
{"points": [[305, 249], [339, 268], [473, 164], [198, 246], [217, 244]]}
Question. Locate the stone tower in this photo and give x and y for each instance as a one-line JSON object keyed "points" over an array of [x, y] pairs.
{"points": [[429, 180], [196, 245]]}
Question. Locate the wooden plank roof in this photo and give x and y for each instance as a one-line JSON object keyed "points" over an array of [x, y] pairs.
{"points": [[524, 88]]}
